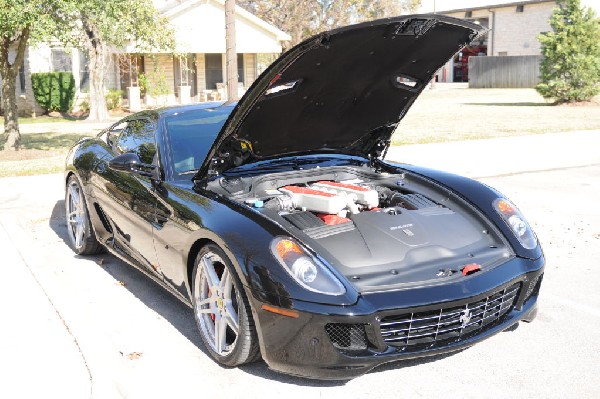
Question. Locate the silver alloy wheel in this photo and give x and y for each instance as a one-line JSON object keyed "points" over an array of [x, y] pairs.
{"points": [[75, 215], [216, 304]]}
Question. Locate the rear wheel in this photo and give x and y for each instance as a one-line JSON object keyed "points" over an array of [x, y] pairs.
{"points": [[79, 229], [222, 310]]}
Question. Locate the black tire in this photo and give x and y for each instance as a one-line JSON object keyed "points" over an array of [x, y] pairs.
{"points": [[214, 306], [79, 229]]}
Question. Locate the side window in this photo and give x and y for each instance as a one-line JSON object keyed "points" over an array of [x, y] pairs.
{"points": [[114, 132], [138, 137]]}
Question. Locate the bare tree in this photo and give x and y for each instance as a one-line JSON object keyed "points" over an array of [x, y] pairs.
{"points": [[291, 16], [303, 18]]}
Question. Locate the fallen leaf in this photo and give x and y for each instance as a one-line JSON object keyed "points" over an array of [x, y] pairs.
{"points": [[134, 355]]}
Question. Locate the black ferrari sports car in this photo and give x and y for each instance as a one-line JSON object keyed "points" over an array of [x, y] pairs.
{"points": [[278, 221]]}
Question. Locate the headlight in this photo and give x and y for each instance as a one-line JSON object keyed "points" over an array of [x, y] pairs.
{"points": [[307, 271], [515, 220]]}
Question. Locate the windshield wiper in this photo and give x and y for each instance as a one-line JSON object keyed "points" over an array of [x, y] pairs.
{"points": [[293, 163], [189, 172]]}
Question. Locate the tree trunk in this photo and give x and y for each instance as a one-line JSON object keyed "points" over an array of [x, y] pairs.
{"points": [[98, 54], [11, 122], [9, 73], [230, 51]]}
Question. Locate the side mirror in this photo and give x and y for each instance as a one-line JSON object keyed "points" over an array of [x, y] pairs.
{"points": [[130, 162]]}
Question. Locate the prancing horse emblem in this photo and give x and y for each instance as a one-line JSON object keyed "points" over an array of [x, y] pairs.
{"points": [[465, 317]]}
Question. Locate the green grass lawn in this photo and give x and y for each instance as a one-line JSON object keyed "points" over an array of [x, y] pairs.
{"points": [[40, 153], [44, 119], [465, 114]]}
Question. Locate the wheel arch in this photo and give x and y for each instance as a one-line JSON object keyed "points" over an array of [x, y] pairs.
{"points": [[191, 257], [68, 175]]}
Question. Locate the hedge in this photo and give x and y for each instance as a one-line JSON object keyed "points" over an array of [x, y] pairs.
{"points": [[54, 91]]}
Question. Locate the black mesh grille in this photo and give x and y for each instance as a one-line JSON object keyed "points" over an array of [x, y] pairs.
{"points": [[417, 201], [347, 336], [534, 286], [436, 328]]}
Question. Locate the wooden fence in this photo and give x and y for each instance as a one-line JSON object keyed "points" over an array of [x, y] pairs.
{"points": [[504, 71]]}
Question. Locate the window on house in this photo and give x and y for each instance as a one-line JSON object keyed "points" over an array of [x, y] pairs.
{"points": [[263, 60], [468, 14], [214, 70], [130, 68], [60, 60], [520, 8], [184, 69], [84, 72], [22, 78], [502, 53], [240, 67]]}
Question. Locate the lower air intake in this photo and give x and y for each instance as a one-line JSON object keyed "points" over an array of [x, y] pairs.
{"points": [[349, 337]]}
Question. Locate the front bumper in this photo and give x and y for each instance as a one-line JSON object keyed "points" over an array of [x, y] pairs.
{"points": [[308, 347]]}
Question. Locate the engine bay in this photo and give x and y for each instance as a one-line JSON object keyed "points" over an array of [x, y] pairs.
{"points": [[379, 229]]}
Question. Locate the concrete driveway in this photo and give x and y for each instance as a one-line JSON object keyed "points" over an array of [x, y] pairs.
{"points": [[78, 327]]}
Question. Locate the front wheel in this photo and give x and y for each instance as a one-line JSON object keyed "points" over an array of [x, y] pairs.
{"points": [[79, 229], [222, 310]]}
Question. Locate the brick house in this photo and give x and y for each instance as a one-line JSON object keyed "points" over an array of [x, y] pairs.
{"points": [[514, 27], [197, 74]]}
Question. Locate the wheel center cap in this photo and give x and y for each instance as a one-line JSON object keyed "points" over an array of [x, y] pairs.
{"points": [[220, 303]]}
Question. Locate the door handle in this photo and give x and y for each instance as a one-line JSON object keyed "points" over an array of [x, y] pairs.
{"points": [[160, 219]]}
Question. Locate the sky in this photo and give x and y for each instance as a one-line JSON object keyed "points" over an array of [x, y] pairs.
{"points": [[444, 5]]}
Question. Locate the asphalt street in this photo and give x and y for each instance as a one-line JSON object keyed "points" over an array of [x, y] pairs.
{"points": [[79, 327]]}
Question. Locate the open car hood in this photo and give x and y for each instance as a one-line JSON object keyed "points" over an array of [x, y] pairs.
{"points": [[342, 91]]}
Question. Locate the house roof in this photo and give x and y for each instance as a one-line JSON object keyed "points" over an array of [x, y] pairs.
{"points": [[200, 28], [177, 7]]}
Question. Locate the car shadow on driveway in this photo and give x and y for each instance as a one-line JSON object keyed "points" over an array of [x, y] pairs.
{"points": [[141, 286], [181, 316]]}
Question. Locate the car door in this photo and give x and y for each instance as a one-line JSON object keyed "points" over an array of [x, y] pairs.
{"points": [[129, 200], [184, 143]]}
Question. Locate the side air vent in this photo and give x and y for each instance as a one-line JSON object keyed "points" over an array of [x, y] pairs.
{"points": [[103, 217]]}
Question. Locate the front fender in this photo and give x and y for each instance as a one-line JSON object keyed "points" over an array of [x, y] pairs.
{"points": [[479, 195], [245, 236]]}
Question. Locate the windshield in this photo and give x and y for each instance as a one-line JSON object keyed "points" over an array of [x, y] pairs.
{"points": [[191, 134]]}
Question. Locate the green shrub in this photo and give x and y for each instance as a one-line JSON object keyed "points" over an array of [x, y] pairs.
{"points": [[143, 82], [84, 106], [54, 91], [570, 69], [114, 98]]}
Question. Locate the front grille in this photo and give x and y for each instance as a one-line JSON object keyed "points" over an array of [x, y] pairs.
{"points": [[347, 336], [436, 328]]}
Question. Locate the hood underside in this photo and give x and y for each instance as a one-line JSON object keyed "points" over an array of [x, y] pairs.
{"points": [[341, 91]]}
